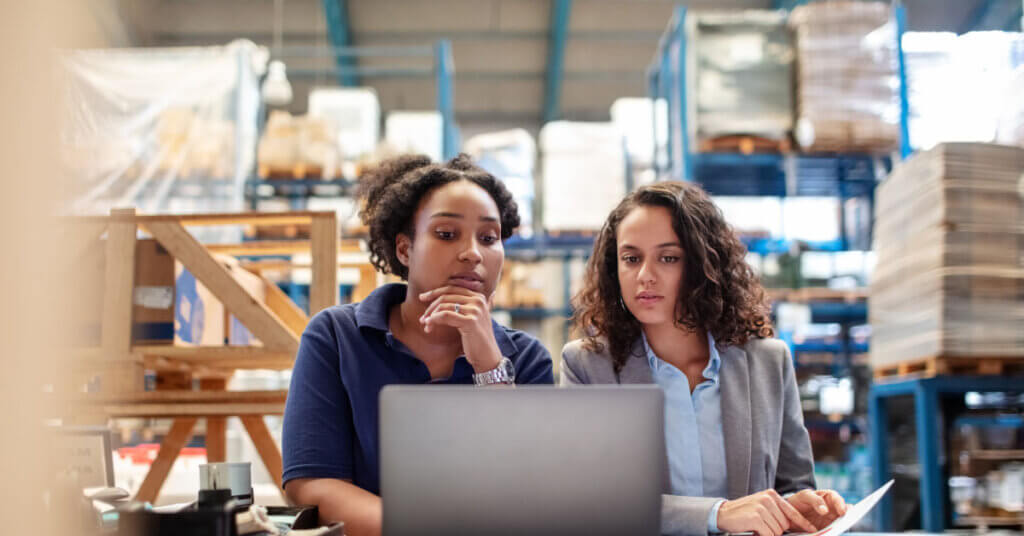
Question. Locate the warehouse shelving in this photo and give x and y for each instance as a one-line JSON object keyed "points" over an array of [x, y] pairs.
{"points": [[760, 174], [930, 396], [843, 176], [442, 71]]}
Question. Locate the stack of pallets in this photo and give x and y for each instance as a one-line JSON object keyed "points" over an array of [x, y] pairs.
{"points": [[948, 290]]}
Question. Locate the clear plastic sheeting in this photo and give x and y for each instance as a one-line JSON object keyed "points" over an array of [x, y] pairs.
{"points": [[169, 130], [1011, 126], [847, 77], [643, 123], [510, 155], [741, 73], [961, 88]]}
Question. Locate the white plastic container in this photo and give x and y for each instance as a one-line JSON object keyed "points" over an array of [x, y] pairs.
{"points": [[355, 112], [644, 124], [584, 174], [510, 155], [416, 132]]}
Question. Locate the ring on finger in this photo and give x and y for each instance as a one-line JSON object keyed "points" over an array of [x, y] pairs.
{"points": [[456, 308]]}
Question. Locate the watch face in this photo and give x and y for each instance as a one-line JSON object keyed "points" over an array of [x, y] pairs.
{"points": [[508, 371]]}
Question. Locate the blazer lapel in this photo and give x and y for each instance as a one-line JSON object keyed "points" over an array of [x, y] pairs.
{"points": [[736, 423], [636, 369]]}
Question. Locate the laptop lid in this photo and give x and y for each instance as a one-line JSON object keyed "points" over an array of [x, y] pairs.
{"points": [[531, 460]]}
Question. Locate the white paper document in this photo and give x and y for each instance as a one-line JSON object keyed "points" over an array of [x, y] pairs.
{"points": [[854, 514]]}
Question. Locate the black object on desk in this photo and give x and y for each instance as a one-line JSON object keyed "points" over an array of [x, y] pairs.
{"points": [[198, 522]]}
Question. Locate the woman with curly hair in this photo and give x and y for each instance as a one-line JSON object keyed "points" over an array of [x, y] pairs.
{"points": [[440, 228], [669, 299]]}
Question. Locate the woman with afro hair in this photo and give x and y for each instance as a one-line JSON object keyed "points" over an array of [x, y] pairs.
{"points": [[440, 228], [668, 299]]}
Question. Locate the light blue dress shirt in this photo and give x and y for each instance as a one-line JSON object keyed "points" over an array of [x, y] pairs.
{"points": [[693, 429]]}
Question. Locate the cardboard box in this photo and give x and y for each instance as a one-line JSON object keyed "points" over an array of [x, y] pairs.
{"points": [[198, 314], [201, 319], [238, 334], [153, 295]]}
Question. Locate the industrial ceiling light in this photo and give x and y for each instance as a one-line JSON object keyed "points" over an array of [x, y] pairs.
{"points": [[277, 91]]}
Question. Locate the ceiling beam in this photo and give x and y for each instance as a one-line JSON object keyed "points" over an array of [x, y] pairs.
{"points": [[336, 16], [389, 37], [1016, 21], [993, 15], [558, 33]]}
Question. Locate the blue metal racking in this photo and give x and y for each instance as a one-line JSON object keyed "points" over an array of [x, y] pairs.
{"points": [[442, 70], [927, 393], [842, 175]]}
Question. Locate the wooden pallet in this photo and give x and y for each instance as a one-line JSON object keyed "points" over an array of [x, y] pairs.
{"points": [[297, 171], [574, 233], [985, 521], [955, 366], [744, 144], [817, 294]]}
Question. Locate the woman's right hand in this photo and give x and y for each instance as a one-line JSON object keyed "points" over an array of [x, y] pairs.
{"points": [[765, 513]]}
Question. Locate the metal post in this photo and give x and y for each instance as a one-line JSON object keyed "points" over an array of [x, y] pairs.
{"points": [[444, 70], [901, 25], [686, 166], [336, 16], [926, 409], [665, 80], [878, 422], [652, 92], [559, 32]]}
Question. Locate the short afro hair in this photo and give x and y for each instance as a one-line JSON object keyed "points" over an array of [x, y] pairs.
{"points": [[392, 192]]}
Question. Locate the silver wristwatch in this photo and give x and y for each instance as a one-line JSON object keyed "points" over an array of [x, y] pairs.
{"points": [[503, 373]]}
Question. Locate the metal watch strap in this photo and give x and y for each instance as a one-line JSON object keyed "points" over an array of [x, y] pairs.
{"points": [[498, 374]]}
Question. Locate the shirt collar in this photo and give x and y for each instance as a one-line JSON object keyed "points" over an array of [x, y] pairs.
{"points": [[374, 311], [710, 372]]}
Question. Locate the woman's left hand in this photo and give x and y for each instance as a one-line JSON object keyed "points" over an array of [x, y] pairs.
{"points": [[820, 507], [468, 312]]}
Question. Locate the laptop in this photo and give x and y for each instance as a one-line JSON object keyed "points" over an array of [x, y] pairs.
{"points": [[526, 461]]}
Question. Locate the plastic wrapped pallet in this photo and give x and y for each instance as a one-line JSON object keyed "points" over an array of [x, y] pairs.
{"points": [[740, 69], [161, 129], [298, 147], [584, 174], [949, 233], [511, 156], [847, 82]]}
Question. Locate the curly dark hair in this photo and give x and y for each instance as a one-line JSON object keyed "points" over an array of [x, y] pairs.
{"points": [[720, 293], [394, 188]]}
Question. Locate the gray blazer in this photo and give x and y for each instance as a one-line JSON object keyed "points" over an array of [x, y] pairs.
{"points": [[767, 445]]}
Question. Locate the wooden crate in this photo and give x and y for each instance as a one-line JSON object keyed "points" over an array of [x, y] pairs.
{"points": [[266, 312]]}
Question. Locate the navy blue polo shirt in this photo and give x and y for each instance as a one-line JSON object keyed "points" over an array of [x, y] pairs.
{"points": [[346, 356]]}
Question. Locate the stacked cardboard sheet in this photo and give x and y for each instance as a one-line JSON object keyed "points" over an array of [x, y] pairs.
{"points": [[949, 233], [847, 82]]}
